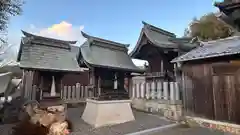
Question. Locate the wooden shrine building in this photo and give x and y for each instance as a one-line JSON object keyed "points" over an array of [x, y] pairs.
{"points": [[44, 62], [109, 63], [230, 12], [211, 80], [159, 47]]}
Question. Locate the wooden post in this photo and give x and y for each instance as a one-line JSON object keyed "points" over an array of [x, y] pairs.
{"points": [[99, 85], [153, 90], [165, 90], [115, 81], [78, 92], [142, 89], [41, 88], [23, 84], [162, 66], [130, 86], [177, 91], [133, 91], [159, 90], [137, 90], [172, 91], [148, 87], [94, 82], [53, 87]]}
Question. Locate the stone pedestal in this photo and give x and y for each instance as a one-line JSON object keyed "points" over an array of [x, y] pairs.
{"points": [[103, 113]]}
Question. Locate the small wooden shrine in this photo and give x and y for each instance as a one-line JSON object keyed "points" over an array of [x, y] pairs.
{"points": [[44, 62], [230, 12], [109, 63], [159, 47]]}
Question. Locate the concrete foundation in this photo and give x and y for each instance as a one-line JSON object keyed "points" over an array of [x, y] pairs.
{"points": [[103, 113], [168, 108]]}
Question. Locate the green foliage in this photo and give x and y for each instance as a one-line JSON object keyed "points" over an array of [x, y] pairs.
{"points": [[208, 27], [8, 8]]}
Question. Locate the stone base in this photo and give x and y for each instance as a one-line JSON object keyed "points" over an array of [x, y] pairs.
{"points": [[169, 109], [103, 113]]}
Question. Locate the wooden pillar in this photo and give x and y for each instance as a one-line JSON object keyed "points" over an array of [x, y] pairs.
{"points": [[115, 81], [93, 77], [99, 85], [41, 88], [162, 66], [130, 86], [53, 87], [23, 84], [177, 91]]}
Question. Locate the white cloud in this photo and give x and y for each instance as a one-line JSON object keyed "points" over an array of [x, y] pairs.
{"points": [[63, 30]]}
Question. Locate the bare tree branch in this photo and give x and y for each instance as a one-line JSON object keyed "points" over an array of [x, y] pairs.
{"points": [[8, 8]]}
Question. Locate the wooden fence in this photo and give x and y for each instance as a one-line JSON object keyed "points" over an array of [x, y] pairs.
{"points": [[76, 93], [148, 90], [156, 90]]}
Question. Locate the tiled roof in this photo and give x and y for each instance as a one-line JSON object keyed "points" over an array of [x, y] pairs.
{"points": [[104, 53], [161, 39], [216, 48], [46, 54]]}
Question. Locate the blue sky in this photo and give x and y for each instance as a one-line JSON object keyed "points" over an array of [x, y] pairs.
{"points": [[118, 20]]}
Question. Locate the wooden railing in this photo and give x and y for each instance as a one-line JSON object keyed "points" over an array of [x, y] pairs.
{"points": [[160, 74], [147, 90], [76, 93], [155, 74]]}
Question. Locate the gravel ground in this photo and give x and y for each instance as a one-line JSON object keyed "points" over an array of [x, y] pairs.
{"points": [[143, 121], [190, 131]]}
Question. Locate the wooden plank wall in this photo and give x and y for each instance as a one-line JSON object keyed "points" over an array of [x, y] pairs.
{"points": [[28, 91], [212, 92]]}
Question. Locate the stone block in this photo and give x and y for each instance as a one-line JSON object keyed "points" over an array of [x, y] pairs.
{"points": [[103, 113]]}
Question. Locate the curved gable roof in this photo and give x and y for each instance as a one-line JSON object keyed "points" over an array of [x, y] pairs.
{"points": [[44, 53], [98, 52], [159, 38]]}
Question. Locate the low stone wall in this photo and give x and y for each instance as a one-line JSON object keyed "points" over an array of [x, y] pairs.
{"points": [[217, 125], [169, 109]]}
